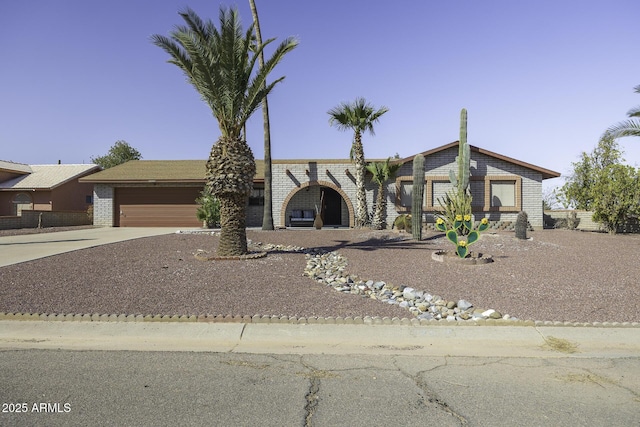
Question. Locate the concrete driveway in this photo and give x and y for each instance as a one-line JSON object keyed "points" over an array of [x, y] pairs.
{"points": [[16, 249]]}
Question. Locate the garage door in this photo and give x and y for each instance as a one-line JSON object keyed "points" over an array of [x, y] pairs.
{"points": [[157, 207]]}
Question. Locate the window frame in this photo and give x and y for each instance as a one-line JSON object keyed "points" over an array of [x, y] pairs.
{"points": [[431, 205]]}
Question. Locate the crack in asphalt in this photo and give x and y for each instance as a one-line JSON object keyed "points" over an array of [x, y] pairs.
{"points": [[312, 400], [429, 395]]}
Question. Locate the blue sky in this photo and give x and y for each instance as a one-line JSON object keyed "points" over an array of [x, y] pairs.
{"points": [[541, 80]]}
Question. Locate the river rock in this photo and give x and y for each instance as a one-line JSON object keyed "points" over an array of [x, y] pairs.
{"points": [[464, 305]]}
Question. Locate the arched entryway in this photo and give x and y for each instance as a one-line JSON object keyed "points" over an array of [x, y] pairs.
{"points": [[330, 200], [331, 206]]}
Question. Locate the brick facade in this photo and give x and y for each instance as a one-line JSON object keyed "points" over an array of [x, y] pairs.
{"points": [[485, 169], [103, 205], [297, 184]]}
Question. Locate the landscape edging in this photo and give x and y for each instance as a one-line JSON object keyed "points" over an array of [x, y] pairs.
{"points": [[367, 320]]}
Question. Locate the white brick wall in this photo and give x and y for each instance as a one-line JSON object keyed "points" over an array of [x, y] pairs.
{"points": [[103, 205], [300, 189], [439, 164]]}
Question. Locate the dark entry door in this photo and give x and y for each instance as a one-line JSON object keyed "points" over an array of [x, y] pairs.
{"points": [[332, 206]]}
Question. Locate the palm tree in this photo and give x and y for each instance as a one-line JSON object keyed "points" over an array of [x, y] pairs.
{"points": [[267, 216], [382, 172], [358, 116], [219, 64], [629, 127]]}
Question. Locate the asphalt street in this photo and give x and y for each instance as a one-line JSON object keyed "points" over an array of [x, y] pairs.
{"points": [[59, 373], [232, 389]]}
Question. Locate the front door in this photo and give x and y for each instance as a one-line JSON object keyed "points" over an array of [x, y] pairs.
{"points": [[332, 206]]}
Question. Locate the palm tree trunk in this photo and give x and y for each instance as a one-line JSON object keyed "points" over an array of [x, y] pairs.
{"points": [[233, 233], [362, 216], [267, 215], [379, 216], [230, 171]]}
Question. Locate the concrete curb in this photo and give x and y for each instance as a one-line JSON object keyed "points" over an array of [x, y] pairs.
{"points": [[264, 319], [452, 341]]}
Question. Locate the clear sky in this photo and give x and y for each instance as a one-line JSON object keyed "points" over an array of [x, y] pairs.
{"points": [[541, 80]]}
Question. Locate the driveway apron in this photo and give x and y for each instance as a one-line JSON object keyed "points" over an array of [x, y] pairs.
{"points": [[27, 247]]}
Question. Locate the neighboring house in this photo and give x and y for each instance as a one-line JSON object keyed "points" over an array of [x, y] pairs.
{"points": [[44, 188], [163, 193]]}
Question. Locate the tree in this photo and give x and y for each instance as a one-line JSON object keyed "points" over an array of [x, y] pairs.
{"points": [[382, 172], [219, 64], [120, 152], [578, 191], [602, 184], [616, 196], [267, 216], [629, 127], [358, 116]]}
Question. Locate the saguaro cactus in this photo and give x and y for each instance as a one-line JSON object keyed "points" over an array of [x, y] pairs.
{"points": [[417, 196], [461, 180]]}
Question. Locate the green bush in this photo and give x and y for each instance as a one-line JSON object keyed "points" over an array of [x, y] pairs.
{"points": [[403, 222], [209, 210]]}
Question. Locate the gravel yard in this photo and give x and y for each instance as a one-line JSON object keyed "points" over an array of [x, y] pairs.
{"points": [[557, 275]]}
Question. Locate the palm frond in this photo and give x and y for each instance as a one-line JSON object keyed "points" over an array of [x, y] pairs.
{"points": [[220, 64], [359, 116], [634, 112], [625, 128]]}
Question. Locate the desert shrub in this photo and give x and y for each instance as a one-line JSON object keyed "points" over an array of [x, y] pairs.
{"points": [[209, 210], [403, 222]]}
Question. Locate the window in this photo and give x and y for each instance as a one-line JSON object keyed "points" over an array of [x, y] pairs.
{"points": [[503, 193], [491, 193], [88, 200], [21, 202], [405, 196], [406, 192], [440, 190], [256, 198]]}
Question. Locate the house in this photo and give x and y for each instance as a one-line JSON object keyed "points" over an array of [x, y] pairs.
{"points": [[42, 188], [163, 192]]}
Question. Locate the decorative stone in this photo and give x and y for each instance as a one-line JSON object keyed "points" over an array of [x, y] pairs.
{"points": [[464, 305], [408, 293]]}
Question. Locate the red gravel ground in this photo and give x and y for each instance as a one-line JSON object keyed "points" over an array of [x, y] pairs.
{"points": [[557, 275]]}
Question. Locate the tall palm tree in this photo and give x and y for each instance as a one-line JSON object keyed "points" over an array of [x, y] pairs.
{"points": [[358, 116], [382, 172], [267, 215], [219, 64], [629, 127]]}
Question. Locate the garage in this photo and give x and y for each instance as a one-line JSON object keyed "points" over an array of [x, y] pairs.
{"points": [[158, 193], [156, 206]]}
